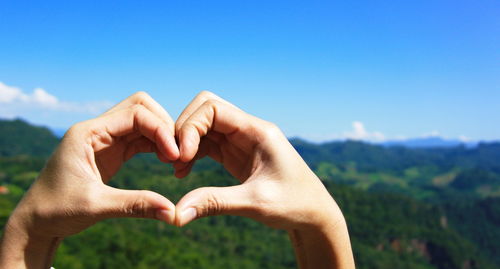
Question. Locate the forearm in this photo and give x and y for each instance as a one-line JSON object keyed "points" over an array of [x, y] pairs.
{"points": [[19, 250], [326, 246]]}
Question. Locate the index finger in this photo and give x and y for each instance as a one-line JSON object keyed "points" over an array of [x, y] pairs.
{"points": [[142, 98], [107, 129], [200, 98], [240, 128]]}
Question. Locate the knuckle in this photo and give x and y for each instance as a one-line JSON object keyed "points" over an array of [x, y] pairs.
{"points": [[211, 103], [136, 109], [195, 125], [207, 98], [199, 128], [212, 206], [269, 131], [77, 128], [138, 207], [140, 97], [206, 94]]}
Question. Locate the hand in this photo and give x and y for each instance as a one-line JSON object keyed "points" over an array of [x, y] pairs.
{"points": [[71, 192], [277, 187]]}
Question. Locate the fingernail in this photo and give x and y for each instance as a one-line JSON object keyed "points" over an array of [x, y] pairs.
{"points": [[188, 215], [173, 147], [184, 150], [165, 215], [186, 145]]}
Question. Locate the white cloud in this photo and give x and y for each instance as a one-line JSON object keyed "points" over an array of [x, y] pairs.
{"points": [[40, 96], [359, 132], [434, 133], [10, 94], [14, 97], [464, 138]]}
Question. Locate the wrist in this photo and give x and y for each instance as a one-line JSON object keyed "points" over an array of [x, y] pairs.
{"points": [[322, 241], [20, 248], [324, 220], [323, 213], [325, 245]]}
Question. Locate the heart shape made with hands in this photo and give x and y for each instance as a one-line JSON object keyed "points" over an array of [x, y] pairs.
{"points": [[210, 126], [276, 186], [252, 150], [246, 146]]}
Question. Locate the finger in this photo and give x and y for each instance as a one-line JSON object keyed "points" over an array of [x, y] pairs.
{"points": [[142, 145], [220, 117], [117, 203], [207, 148], [162, 158], [211, 201], [139, 145], [201, 98], [142, 98], [104, 129]]}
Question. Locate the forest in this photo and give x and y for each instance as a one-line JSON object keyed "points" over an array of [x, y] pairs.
{"points": [[405, 208]]}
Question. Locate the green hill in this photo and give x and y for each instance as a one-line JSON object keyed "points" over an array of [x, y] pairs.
{"points": [[18, 137], [424, 173], [405, 208]]}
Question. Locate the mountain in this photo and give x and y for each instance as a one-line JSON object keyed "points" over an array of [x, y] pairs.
{"points": [[388, 230], [18, 137], [430, 173], [369, 157], [433, 208], [428, 142]]}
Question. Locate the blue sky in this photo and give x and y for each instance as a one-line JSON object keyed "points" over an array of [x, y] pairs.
{"points": [[319, 69]]}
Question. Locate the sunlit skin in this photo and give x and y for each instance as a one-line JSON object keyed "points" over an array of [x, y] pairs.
{"points": [[276, 187], [71, 192]]}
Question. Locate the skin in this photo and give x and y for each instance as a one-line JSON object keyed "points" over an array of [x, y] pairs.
{"points": [[71, 192], [276, 187]]}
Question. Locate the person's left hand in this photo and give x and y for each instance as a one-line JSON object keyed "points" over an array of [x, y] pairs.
{"points": [[71, 192]]}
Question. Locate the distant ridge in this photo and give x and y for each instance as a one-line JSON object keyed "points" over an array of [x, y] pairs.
{"points": [[369, 157], [414, 143], [429, 142], [18, 137]]}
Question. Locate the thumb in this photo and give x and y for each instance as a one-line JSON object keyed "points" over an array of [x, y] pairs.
{"points": [[118, 203], [211, 201]]}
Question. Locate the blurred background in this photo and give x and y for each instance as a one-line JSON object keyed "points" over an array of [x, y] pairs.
{"points": [[394, 105]]}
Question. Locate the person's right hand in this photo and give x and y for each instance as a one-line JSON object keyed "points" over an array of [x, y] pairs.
{"points": [[277, 187], [71, 192]]}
